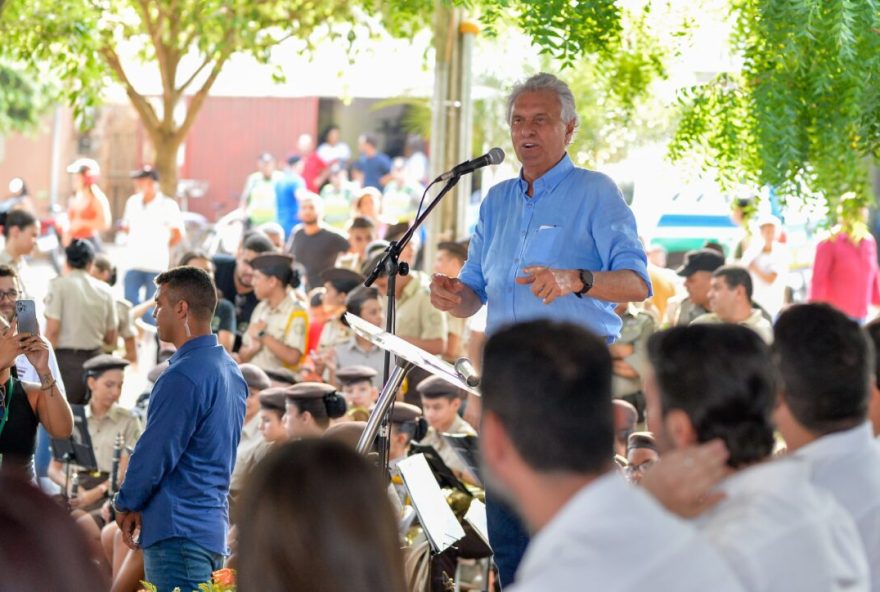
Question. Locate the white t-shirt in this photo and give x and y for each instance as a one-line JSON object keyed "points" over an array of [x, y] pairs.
{"points": [[612, 536], [779, 532], [770, 295], [149, 231], [847, 464]]}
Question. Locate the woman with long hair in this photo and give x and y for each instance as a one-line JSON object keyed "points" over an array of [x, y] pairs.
{"points": [[306, 528]]}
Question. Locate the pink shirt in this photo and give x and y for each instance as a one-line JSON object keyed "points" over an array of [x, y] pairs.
{"points": [[845, 275]]}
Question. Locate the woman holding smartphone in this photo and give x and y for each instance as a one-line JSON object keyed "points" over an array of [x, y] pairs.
{"points": [[24, 405]]}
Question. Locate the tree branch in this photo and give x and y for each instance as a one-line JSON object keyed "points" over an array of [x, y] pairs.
{"points": [[182, 88], [141, 105], [202, 94]]}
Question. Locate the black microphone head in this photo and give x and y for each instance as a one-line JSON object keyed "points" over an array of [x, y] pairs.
{"points": [[496, 155]]}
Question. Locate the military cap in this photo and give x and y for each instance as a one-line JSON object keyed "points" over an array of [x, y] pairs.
{"points": [[348, 432], [354, 374], [274, 398], [343, 280], [281, 376], [700, 260], [104, 362], [309, 390], [255, 377], [275, 265], [405, 413], [457, 249], [435, 387]]}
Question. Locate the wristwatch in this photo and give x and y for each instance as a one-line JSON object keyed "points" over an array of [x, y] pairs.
{"points": [[586, 277]]}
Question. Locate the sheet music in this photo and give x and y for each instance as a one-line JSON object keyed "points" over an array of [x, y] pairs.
{"points": [[436, 517], [407, 351], [476, 517]]}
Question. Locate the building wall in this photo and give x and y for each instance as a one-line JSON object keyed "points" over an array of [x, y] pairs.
{"points": [[229, 135]]}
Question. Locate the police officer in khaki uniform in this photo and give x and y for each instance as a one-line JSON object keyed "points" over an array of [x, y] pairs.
{"points": [[630, 354], [338, 282], [440, 403], [80, 317], [257, 381], [278, 329], [697, 273], [103, 270]]}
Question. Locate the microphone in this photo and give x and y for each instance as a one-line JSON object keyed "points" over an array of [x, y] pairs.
{"points": [[494, 156], [467, 373]]}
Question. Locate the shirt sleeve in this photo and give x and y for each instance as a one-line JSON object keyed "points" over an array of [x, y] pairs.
{"points": [[54, 302], [172, 418], [471, 274], [298, 329], [174, 217], [821, 272], [615, 234], [112, 319], [342, 244]]}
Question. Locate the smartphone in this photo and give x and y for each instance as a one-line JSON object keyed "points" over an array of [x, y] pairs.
{"points": [[26, 315]]}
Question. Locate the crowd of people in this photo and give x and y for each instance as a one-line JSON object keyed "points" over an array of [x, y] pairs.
{"points": [[687, 429]]}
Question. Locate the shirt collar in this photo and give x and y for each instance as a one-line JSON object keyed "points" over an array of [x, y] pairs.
{"points": [[843, 443], [761, 477], [549, 180], [192, 344]]}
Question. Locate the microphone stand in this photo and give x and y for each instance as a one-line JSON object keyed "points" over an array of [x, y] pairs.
{"points": [[390, 266]]}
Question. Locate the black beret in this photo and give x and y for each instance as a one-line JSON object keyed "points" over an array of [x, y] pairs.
{"points": [[275, 265]]}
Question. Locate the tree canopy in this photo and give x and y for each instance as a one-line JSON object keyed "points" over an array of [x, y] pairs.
{"points": [[803, 114]]}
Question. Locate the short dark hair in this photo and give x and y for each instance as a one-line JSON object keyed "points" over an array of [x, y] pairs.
{"points": [[734, 276], [192, 285], [313, 491], [825, 362], [723, 378], [20, 219], [190, 255], [8, 271], [370, 139], [361, 222], [414, 430], [356, 299], [638, 440], [549, 384], [257, 242], [872, 330]]}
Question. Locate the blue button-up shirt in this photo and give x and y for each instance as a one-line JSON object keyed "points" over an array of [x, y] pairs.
{"points": [[576, 219], [179, 472]]}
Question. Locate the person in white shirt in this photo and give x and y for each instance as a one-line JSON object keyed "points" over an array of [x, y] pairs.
{"points": [[768, 261], [547, 446], [776, 530], [825, 363], [154, 225]]}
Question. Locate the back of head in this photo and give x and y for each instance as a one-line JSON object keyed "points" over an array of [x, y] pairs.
{"points": [[549, 384], [257, 242], [318, 513], [192, 285], [41, 547], [825, 362], [722, 377], [79, 254]]}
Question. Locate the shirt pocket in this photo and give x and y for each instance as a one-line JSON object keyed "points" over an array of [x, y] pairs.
{"points": [[544, 246]]}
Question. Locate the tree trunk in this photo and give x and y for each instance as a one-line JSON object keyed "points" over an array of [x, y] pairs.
{"points": [[166, 163]]}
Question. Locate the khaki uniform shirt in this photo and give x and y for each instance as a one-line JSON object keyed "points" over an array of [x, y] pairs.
{"points": [[756, 322], [288, 323], [251, 440], [103, 432], [436, 441], [125, 328], [334, 333], [638, 326], [681, 313], [416, 316], [84, 306]]}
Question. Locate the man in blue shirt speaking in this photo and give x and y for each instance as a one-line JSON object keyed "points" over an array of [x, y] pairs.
{"points": [[558, 242], [177, 483]]}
